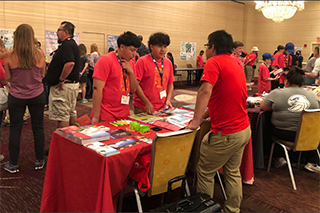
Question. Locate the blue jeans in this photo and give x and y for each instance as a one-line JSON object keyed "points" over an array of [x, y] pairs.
{"points": [[17, 108]]}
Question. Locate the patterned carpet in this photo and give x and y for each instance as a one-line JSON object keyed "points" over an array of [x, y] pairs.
{"points": [[271, 192]]}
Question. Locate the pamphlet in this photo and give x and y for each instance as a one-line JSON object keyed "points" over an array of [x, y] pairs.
{"points": [[102, 148], [144, 117], [83, 120], [124, 143], [85, 134], [166, 125], [143, 139], [119, 133]]}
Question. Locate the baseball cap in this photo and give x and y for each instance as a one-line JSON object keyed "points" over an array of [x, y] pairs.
{"points": [[255, 49], [290, 47], [267, 56]]}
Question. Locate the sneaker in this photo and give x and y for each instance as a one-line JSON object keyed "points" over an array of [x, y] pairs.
{"points": [[11, 168], [312, 167], [1, 157], [84, 101], [280, 162], [39, 164]]}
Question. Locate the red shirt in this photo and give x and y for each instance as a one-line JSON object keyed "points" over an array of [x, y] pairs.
{"points": [[263, 86], [2, 74], [278, 60], [200, 63], [108, 69], [238, 60], [150, 80], [251, 56], [227, 104]]}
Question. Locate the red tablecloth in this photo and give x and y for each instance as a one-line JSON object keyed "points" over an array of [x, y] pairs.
{"points": [[80, 180]]}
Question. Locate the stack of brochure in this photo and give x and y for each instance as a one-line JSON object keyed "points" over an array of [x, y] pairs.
{"points": [[85, 134]]}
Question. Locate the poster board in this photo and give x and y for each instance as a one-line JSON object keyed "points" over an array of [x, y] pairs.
{"points": [[7, 37], [188, 50], [112, 41], [51, 41]]}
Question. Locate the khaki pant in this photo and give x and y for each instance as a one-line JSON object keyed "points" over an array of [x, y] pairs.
{"points": [[225, 151], [248, 71]]}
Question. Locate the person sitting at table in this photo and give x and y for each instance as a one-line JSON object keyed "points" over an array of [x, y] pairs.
{"points": [[286, 105], [113, 80], [154, 73], [264, 80], [310, 66]]}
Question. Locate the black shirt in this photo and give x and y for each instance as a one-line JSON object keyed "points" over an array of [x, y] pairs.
{"points": [[68, 51], [143, 50]]}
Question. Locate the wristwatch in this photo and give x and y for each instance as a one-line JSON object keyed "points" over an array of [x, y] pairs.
{"points": [[61, 80]]}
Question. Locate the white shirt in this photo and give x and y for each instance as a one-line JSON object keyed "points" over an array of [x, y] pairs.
{"points": [[316, 68]]}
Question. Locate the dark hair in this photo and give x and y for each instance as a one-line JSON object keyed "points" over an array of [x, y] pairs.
{"points": [[69, 27], [140, 37], [221, 40], [169, 54], [317, 49], [159, 39], [39, 43], [254, 66], [110, 49], [129, 39], [82, 49], [237, 44], [201, 51], [294, 76], [280, 47]]}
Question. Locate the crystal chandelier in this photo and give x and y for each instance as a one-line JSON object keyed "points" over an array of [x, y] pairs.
{"points": [[279, 10]]}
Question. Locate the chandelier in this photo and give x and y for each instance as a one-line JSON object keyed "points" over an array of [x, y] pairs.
{"points": [[279, 10]]}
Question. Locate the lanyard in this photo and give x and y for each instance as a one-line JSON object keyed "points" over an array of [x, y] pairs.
{"points": [[123, 75], [160, 73]]}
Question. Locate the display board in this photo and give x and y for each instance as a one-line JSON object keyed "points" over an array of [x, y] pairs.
{"points": [[187, 50], [51, 41], [112, 41], [7, 37]]}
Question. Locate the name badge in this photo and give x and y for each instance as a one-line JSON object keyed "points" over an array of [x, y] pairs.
{"points": [[163, 94], [125, 99]]}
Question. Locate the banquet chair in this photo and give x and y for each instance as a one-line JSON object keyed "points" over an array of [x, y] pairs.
{"points": [[204, 129], [307, 139], [169, 158], [179, 76]]}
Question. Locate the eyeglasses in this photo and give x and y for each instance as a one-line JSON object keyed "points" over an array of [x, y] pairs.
{"points": [[207, 45], [60, 30]]}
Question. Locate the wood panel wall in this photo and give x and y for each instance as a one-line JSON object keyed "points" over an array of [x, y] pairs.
{"points": [[189, 21]]}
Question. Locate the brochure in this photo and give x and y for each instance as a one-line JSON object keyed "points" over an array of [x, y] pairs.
{"points": [[102, 148], [124, 143], [143, 139], [86, 134], [119, 133]]}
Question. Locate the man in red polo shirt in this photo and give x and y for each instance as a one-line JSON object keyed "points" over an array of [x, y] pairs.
{"points": [[154, 73], [113, 80], [230, 128]]}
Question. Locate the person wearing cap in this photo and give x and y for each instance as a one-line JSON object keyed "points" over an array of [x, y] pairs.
{"points": [[264, 80], [249, 62]]}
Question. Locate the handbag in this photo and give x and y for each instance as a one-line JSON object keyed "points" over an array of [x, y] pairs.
{"points": [[140, 172], [3, 99]]}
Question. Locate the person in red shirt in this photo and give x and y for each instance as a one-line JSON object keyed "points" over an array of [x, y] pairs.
{"points": [[264, 80], [249, 62], [113, 80], [279, 62], [200, 63], [230, 127], [154, 73]]}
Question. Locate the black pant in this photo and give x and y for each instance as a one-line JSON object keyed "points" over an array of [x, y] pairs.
{"points": [[17, 108]]}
